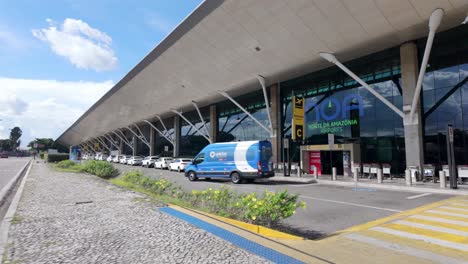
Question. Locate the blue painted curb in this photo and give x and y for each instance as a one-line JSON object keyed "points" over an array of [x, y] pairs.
{"points": [[237, 240]]}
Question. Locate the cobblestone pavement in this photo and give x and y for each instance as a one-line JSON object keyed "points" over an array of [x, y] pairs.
{"points": [[108, 225]]}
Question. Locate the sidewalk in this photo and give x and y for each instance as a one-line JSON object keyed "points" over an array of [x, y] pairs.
{"points": [[78, 218], [394, 184]]}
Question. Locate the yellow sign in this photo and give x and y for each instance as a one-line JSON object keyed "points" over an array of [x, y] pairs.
{"points": [[85, 147], [298, 118], [96, 146]]}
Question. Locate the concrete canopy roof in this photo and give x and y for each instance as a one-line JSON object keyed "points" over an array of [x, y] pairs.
{"points": [[224, 45]]}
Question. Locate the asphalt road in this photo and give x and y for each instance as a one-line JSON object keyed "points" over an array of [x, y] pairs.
{"points": [[10, 167], [329, 208]]}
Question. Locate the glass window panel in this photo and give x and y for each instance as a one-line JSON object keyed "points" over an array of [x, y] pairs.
{"points": [[446, 77]]}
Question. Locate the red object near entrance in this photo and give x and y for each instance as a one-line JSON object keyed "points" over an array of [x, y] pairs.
{"points": [[3, 155], [314, 160]]}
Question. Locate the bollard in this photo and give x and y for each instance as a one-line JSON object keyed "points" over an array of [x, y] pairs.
{"points": [[315, 173], [408, 177], [442, 179], [355, 174], [379, 175], [333, 174]]}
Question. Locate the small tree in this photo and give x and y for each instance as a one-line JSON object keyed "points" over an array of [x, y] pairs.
{"points": [[15, 135]]}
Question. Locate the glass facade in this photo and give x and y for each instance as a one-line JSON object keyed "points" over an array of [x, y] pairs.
{"points": [[191, 141], [235, 125], [445, 96], [336, 104]]}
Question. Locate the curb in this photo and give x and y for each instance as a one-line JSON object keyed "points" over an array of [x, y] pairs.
{"points": [[5, 225], [10, 185], [261, 230], [394, 187]]}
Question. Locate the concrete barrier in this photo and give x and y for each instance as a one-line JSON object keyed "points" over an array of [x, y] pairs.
{"points": [[408, 177], [379, 175], [442, 179]]}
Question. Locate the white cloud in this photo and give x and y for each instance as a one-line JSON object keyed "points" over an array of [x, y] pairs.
{"points": [[84, 46], [45, 108]]}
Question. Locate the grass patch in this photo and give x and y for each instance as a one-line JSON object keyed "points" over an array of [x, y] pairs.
{"points": [[17, 219], [99, 168]]}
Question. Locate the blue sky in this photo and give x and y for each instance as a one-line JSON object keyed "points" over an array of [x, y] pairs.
{"points": [[59, 57]]}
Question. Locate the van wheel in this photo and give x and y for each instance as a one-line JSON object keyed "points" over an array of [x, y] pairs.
{"points": [[236, 178], [192, 176]]}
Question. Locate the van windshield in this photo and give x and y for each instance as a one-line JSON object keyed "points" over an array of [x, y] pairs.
{"points": [[266, 153]]}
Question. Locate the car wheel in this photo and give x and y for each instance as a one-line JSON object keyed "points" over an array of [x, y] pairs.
{"points": [[207, 179], [236, 178], [192, 176], [178, 169]]}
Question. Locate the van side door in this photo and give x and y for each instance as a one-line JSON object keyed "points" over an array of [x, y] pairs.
{"points": [[200, 164]]}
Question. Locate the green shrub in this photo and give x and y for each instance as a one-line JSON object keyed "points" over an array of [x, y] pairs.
{"points": [[268, 209], [56, 157], [41, 155], [65, 164], [100, 168]]}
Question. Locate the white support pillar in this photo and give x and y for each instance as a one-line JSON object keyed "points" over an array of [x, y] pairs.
{"points": [[162, 123], [110, 139], [213, 123], [138, 136], [103, 143], [331, 58], [261, 79], [270, 131], [202, 120], [160, 132], [192, 125], [434, 22], [123, 140]]}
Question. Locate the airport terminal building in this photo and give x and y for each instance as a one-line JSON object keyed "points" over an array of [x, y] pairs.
{"points": [[229, 71]]}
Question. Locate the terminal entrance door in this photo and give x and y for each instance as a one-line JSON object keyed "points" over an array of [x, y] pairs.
{"points": [[331, 159]]}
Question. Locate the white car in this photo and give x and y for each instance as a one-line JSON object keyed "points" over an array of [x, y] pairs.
{"points": [[149, 161], [179, 164], [134, 160], [110, 158], [124, 158], [98, 156], [103, 157], [162, 163], [117, 158]]}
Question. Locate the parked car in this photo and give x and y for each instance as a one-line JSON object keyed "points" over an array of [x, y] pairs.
{"points": [[149, 161], [238, 161], [103, 157], [124, 158], [162, 163], [98, 156], [179, 164], [135, 160], [110, 158], [117, 158], [4, 155]]}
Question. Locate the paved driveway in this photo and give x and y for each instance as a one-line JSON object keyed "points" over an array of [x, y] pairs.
{"points": [[9, 168], [329, 208]]}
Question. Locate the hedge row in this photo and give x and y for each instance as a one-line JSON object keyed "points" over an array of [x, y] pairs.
{"points": [[56, 157]]}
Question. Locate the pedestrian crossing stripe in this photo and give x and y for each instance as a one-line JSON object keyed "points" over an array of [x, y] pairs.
{"points": [[426, 233], [459, 205], [436, 227], [454, 208], [438, 222], [448, 212], [445, 216]]}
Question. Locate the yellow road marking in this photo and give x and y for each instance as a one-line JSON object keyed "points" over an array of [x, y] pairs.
{"points": [[428, 233], [434, 223], [456, 218]]}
